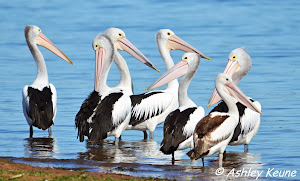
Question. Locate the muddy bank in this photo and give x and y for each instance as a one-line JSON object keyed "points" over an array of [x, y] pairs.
{"points": [[10, 170]]}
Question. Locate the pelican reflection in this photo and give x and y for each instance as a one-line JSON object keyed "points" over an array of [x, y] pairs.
{"points": [[143, 152], [40, 147]]}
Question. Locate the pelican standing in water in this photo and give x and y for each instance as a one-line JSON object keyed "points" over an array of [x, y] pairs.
{"points": [[89, 106], [151, 108], [112, 114], [39, 98], [180, 124], [213, 132], [239, 64]]}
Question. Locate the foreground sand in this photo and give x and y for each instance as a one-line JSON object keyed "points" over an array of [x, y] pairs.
{"points": [[17, 171]]}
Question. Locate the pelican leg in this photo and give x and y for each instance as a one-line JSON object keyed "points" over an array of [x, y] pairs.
{"points": [[50, 132], [145, 135], [173, 158], [220, 160], [192, 162], [117, 141], [203, 161], [31, 131], [246, 148], [151, 135], [224, 154]]}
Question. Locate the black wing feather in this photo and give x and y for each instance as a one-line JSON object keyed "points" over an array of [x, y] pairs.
{"points": [[86, 110], [137, 99], [41, 107], [173, 130], [102, 122]]}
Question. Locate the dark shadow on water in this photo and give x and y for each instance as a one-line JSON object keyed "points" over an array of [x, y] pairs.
{"points": [[40, 147]]}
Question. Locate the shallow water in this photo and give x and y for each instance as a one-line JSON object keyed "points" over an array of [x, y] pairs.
{"points": [[268, 30]]}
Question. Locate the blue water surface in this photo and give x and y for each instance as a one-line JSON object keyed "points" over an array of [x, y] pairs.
{"points": [[269, 30]]}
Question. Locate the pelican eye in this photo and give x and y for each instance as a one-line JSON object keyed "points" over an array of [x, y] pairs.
{"points": [[120, 35], [234, 57], [185, 58], [39, 30], [227, 79], [169, 34], [96, 46]]}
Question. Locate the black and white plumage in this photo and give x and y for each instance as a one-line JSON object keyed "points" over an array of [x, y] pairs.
{"points": [[213, 132], [151, 109], [179, 128], [180, 124], [136, 100], [89, 108], [111, 117], [239, 64], [248, 125], [174, 134], [86, 111], [39, 99], [105, 121]]}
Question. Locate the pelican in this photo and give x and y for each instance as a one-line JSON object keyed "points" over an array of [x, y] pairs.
{"points": [[88, 107], [239, 64], [213, 132], [112, 114], [151, 108], [39, 98], [180, 124]]}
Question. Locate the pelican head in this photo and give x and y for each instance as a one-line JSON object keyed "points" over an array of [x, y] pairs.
{"points": [[34, 36], [224, 84], [239, 64], [173, 42], [120, 42], [187, 65], [104, 51]]}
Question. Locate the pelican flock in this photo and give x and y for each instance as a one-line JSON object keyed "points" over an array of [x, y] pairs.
{"points": [[151, 108], [108, 111]]}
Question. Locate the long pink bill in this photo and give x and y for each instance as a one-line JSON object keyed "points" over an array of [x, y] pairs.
{"points": [[176, 71], [126, 45], [234, 91], [176, 43], [99, 61], [231, 67], [42, 40]]}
